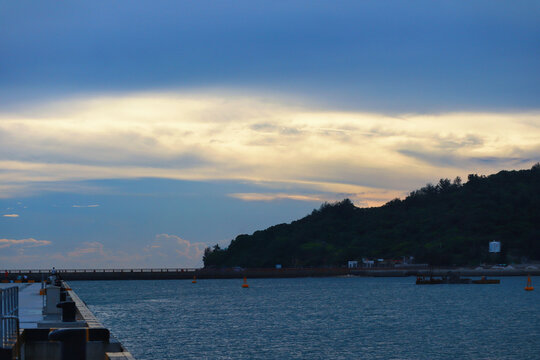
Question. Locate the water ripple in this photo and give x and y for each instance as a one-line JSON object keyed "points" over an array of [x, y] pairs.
{"points": [[329, 318]]}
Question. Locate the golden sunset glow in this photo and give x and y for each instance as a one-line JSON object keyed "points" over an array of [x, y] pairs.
{"points": [[368, 157]]}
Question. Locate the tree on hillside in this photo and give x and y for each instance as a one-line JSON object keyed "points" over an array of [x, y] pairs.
{"points": [[443, 224]]}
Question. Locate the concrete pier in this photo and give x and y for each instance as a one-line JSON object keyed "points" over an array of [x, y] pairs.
{"points": [[42, 329]]}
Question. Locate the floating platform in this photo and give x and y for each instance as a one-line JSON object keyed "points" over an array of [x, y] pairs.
{"points": [[453, 278], [430, 281], [486, 281]]}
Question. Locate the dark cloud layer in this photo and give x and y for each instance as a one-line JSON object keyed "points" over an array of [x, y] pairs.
{"points": [[452, 160], [392, 56]]}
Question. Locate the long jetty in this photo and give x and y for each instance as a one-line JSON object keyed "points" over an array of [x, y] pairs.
{"points": [[235, 273]]}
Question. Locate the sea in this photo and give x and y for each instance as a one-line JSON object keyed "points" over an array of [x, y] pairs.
{"points": [[318, 318]]}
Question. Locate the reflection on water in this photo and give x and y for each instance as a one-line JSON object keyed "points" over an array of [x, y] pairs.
{"points": [[308, 318]]}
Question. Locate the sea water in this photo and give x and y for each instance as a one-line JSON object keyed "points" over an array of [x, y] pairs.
{"points": [[318, 318]]}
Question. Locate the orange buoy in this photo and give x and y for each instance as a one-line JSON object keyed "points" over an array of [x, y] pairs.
{"points": [[529, 286], [194, 281], [245, 284]]}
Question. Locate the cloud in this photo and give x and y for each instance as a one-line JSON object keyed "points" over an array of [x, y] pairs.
{"points": [[174, 250], [86, 255], [245, 138], [11, 215], [163, 251], [26, 243], [92, 254], [272, 197], [85, 206], [375, 197], [359, 58], [89, 248]]}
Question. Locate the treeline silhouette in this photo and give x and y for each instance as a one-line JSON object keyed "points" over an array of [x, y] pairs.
{"points": [[449, 223]]}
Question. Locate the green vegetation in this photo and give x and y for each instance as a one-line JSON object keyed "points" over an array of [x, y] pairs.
{"points": [[444, 224]]}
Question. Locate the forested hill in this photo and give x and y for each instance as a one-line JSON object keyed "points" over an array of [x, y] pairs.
{"points": [[444, 224]]}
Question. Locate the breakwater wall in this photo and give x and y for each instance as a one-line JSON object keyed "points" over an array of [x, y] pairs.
{"points": [[173, 273]]}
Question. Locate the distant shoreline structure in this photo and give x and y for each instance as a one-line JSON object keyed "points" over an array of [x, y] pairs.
{"points": [[236, 273]]}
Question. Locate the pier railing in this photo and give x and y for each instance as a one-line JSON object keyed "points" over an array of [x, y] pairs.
{"points": [[236, 269], [9, 316], [32, 275], [60, 271]]}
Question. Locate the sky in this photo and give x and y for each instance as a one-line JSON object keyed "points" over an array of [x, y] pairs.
{"points": [[135, 133]]}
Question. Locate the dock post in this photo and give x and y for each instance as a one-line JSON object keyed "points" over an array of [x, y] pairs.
{"points": [[73, 342]]}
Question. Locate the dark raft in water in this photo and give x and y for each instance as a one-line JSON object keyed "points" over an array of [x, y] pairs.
{"points": [[453, 278]]}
